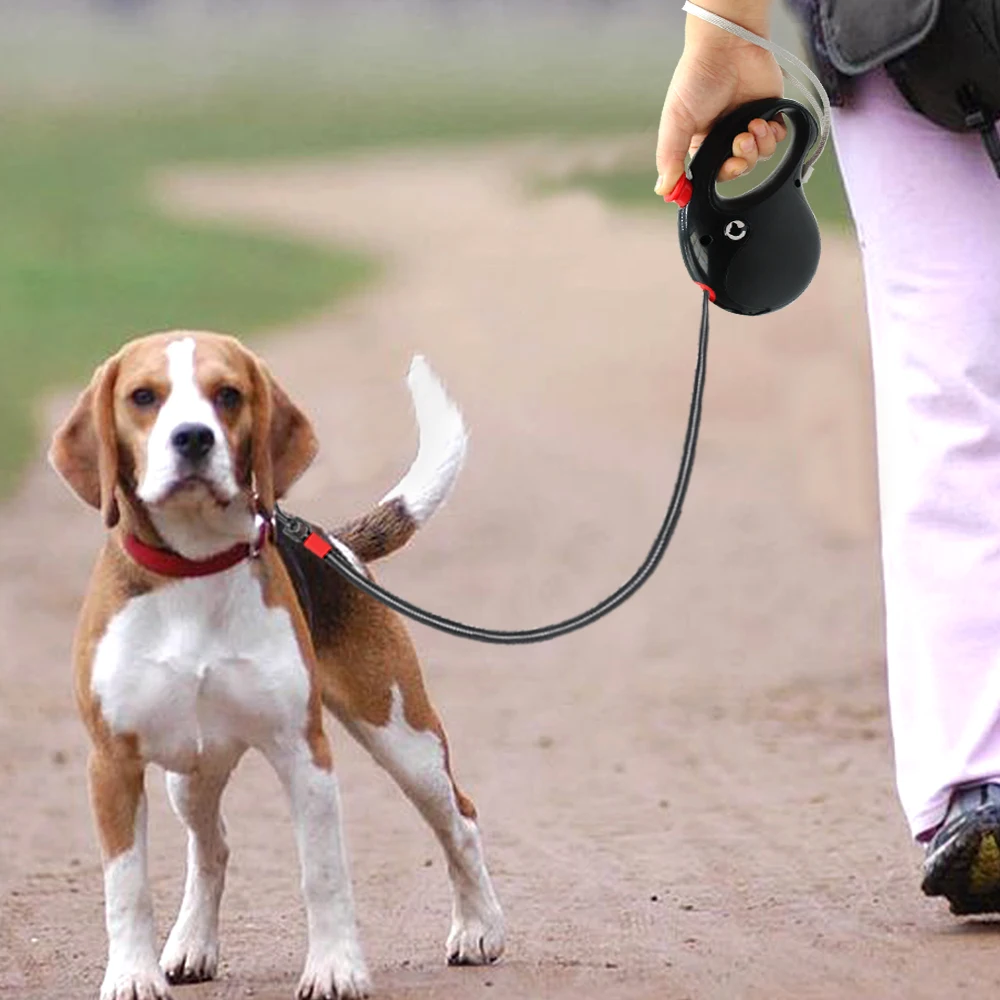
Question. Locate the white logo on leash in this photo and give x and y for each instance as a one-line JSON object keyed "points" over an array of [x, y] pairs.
{"points": [[736, 230]]}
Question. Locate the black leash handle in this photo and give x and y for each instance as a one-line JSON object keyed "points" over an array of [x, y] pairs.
{"points": [[299, 531]]}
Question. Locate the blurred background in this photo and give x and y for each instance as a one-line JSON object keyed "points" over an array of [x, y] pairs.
{"points": [[693, 798], [97, 95]]}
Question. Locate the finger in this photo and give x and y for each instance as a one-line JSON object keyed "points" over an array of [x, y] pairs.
{"points": [[766, 142], [732, 168], [779, 129], [672, 142], [745, 147]]}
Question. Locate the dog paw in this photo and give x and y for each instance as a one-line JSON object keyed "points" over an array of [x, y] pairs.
{"points": [[477, 938], [335, 974], [189, 957], [134, 984]]}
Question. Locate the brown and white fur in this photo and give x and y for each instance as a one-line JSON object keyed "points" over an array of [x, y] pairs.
{"points": [[190, 673]]}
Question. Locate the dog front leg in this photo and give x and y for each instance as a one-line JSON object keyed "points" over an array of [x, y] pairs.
{"points": [[191, 954], [335, 967], [119, 803]]}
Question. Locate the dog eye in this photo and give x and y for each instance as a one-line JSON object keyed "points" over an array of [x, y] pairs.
{"points": [[228, 397], [143, 397]]}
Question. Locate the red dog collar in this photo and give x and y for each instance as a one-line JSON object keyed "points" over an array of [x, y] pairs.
{"points": [[166, 562]]}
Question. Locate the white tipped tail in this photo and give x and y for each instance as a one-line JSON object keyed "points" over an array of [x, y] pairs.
{"points": [[426, 485], [441, 448]]}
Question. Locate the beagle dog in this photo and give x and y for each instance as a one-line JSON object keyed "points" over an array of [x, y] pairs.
{"points": [[202, 636]]}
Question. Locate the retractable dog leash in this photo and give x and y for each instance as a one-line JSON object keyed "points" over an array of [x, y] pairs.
{"points": [[750, 255]]}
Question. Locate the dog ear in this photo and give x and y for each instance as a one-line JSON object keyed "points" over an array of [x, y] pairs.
{"points": [[84, 449], [283, 443]]}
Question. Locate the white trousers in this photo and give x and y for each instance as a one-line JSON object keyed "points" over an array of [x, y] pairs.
{"points": [[926, 204]]}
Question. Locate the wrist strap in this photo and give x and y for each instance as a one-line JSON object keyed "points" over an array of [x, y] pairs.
{"points": [[820, 108]]}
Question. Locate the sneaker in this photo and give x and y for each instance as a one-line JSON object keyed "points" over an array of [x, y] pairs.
{"points": [[963, 858]]}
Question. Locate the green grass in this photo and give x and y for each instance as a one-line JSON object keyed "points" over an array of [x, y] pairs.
{"points": [[85, 263], [631, 187]]}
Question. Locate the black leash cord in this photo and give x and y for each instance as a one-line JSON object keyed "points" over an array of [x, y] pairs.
{"points": [[298, 530]]}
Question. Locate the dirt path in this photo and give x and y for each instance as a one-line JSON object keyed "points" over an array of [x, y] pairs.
{"points": [[692, 799]]}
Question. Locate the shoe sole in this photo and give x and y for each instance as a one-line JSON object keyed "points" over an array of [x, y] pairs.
{"points": [[966, 868]]}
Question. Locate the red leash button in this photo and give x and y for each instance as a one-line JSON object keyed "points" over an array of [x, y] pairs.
{"points": [[681, 192]]}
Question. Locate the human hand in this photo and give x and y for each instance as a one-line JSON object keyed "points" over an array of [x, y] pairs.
{"points": [[716, 73]]}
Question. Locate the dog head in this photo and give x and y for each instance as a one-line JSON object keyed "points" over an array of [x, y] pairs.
{"points": [[183, 425]]}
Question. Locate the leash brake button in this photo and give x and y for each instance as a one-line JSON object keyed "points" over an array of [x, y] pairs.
{"points": [[681, 192]]}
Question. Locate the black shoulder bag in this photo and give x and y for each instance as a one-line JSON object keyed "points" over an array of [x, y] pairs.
{"points": [[943, 55]]}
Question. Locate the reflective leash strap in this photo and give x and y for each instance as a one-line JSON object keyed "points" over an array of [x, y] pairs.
{"points": [[319, 546], [820, 108]]}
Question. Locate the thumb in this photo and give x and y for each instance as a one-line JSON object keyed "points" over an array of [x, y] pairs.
{"points": [[672, 143]]}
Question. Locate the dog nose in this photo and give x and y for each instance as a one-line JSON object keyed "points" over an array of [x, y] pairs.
{"points": [[193, 441]]}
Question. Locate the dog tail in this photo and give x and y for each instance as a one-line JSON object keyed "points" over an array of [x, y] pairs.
{"points": [[427, 484]]}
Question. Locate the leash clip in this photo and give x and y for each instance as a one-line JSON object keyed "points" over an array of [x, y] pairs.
{"points": [[294, 527]]}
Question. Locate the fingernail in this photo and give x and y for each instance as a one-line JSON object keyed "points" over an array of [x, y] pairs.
{"points": [[759, 129], [747, 145], [661, 183]]}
